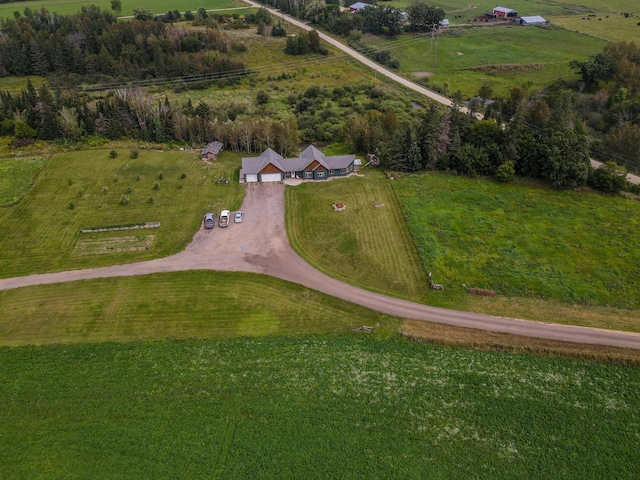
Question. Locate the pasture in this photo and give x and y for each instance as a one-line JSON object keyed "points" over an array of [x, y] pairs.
{"points": [[525, 241], [88, 188], [367, 244], [310, 407], [501, 56], [69, 7]]}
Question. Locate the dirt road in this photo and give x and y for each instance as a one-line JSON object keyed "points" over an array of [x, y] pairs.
{"points": [[260, 245]]}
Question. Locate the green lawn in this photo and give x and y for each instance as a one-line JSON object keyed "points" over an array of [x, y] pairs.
{"points": [[195, 304], [16, 176], [311, 407], [364, 244], [502, 56], [83, 189], [68, 7], [524, 241]]}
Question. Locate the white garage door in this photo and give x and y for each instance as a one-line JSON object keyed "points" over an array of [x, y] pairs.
{"points": [[271, 177], [251, 177]]}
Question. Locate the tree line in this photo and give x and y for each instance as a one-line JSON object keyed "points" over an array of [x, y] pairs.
{"points": [[93, 45]]}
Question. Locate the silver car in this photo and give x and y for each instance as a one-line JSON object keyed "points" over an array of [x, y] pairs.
{"points": [[238, 216]]}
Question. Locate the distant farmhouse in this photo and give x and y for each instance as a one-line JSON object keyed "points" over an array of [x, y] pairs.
{"points": [[359, 6], [312, 164], [533, 20], [211, 151], [503, 12]]}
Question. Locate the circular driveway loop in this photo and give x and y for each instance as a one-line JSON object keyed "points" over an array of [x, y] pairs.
{"points": [[259, 244]]}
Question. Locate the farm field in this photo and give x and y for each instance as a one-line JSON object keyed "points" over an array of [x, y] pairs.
{"points": [[67, 7], [83, 189], [478, 55], [311, 407], [365, 244], [524, 241]]}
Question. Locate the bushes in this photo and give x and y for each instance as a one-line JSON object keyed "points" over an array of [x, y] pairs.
{"points": [[609, 178]]}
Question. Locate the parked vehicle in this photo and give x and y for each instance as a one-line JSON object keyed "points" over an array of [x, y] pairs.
{"points": [[238, 217], [209, 220], [224, 218]]}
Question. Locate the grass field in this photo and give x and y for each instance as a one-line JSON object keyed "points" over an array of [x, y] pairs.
{"points": [[82, 189], [16, 176], [67, 7], [464, 61], [184, 305], [309, 407], [365, 244], [525, 240]]}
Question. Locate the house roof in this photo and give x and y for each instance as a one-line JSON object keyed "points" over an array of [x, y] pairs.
{"points": [[310, 154], [504, 9], [213, 147], [359, 6], [533, 19]]}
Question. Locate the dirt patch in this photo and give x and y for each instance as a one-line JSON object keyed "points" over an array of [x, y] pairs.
{"points": [[422, 74], [102, 246], [460, 53]]}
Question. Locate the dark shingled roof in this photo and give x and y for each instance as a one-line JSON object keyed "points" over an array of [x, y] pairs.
{"points": [[213, 147], [254, 165]]}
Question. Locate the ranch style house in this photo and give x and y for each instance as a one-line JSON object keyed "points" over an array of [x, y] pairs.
{"points": [[312, 164]]}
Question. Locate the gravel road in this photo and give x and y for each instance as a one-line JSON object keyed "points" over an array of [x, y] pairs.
{"points": [[259, 244]]}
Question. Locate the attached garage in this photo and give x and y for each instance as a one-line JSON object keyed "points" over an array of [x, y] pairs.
{"points": [[270, 177], [251, 177]]}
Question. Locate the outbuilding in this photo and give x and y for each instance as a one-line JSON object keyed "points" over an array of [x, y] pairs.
{"points": [[533, 20], [211, 151], [359, 6], [504, 12]]}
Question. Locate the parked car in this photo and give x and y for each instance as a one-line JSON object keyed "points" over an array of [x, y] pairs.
{"points": [[209, 220], [238, 217], [223, 221]]}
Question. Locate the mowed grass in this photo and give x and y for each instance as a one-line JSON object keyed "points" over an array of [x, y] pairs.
{"points": [[367, 245], [310, 407], [525, 241], [69, 7], [16, 176], [501, 56], [82, 189], [182, 305]]}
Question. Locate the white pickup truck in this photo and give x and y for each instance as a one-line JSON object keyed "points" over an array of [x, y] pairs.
{"points": [[224, 218]]}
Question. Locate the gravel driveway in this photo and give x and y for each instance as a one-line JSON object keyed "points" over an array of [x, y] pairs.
{"points": [[259, 244]]}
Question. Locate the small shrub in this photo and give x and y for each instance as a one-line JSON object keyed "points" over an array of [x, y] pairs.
{"points": [[80, 191], [129, 189], [133, 154], [180, 186], [115, 179], [113, 154], [183, 176], [150, 200], [137, 178], [124, 200], [105, 189], [160, 176], [71, 205], [70, 182], [506, 172], [156, 186]]}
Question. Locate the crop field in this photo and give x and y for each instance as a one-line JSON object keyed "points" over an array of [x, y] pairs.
{"points": [[88, 188], [16, 176], [368, 243], [310, 407], [533, 56], [522, 241], [67, 7]]}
